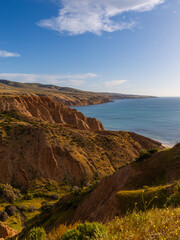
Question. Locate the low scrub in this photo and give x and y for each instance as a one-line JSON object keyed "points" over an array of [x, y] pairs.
{"points": [[37, 233], [174, 199], [144, 154], [9, 193], [142, 199], [86, 231], [154, 224]]}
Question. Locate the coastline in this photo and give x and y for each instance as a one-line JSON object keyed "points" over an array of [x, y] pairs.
{"points": [[147, 118]]}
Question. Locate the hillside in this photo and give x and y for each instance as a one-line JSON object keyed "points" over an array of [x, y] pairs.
{"points": [[118, 200], [43, 138], [118, 193], [65, 95], [146, 183]]}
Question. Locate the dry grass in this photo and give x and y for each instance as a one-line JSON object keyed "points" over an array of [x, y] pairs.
{"points": [[58, 232], [155, 224]]}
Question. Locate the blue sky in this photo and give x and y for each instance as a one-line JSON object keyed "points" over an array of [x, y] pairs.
{"points": [[128, 46]]}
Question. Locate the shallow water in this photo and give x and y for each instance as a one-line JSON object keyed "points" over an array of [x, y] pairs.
{"points": [[157, 118]]}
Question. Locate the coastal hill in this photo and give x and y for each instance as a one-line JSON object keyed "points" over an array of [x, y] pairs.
{"points": [[149, 184], [119, 193], [60, 167], [65, 95], [140, 185], [41, 138]]}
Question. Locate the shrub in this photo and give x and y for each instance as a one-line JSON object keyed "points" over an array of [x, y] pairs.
{"points": [[37, 233], [177, 187], [153, 150], [32, 209], [72, 234], [54, 197], [143, 155], [3, 216], [11, 210], [9, 193], [84, 231], [22, 208], [174, 199], [46, 206], [28, 196]]}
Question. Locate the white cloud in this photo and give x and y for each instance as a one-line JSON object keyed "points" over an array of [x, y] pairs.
{"points": [[95, 16], [115, 83], [65, 80], [7, 54]]}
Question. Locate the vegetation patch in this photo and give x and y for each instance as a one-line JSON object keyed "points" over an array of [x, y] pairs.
{"points": [[142, 199]]}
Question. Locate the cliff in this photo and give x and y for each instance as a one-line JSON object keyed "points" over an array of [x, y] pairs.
{"points": [[42, 138], [46, 109]]}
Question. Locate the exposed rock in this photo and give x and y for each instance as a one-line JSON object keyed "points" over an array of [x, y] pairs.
{"points": [[45, 139], [47, 109], [6, 231]]}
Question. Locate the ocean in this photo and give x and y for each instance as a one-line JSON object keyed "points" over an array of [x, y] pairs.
{"points": [[156, 118]]}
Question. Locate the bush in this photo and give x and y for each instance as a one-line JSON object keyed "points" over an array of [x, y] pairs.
{"points": [[3, 216], [32, 209], [22, 208], [153, 150], [9, 193], [84, 231], [177, 187], [143, 155], [54, 197], [11, 210], [28, 196], [72, 234], [46, 206], [37, 233], [174, 199]]}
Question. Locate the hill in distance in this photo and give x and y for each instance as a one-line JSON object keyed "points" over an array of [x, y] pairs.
{"points": [[68, 96]]}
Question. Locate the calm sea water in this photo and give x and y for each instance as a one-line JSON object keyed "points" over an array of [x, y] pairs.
{"points": [[157, 118]]}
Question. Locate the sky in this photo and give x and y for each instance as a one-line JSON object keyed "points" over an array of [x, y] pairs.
{"points": [[125, 46]]}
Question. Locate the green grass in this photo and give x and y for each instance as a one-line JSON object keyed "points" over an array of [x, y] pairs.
{"points": [[141, 199], [14, 222]]}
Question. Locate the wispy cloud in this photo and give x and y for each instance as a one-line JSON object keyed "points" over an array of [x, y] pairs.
{"points": [[80, 16], [115, 83], [6, 54], [64, 80]]}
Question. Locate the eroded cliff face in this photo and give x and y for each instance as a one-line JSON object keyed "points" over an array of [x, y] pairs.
{"points": [[31, 149], [47, 109], [40, 138]]}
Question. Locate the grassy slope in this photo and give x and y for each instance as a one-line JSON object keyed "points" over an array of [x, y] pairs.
{"points": [[126, 200], [154, 224]]}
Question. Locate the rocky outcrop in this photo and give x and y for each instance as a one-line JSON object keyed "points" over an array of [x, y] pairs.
{"points": [[47, 109], [6, 231]]}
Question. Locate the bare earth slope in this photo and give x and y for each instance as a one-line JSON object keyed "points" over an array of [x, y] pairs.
{"points": [[42, 138], [46, 109]]}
